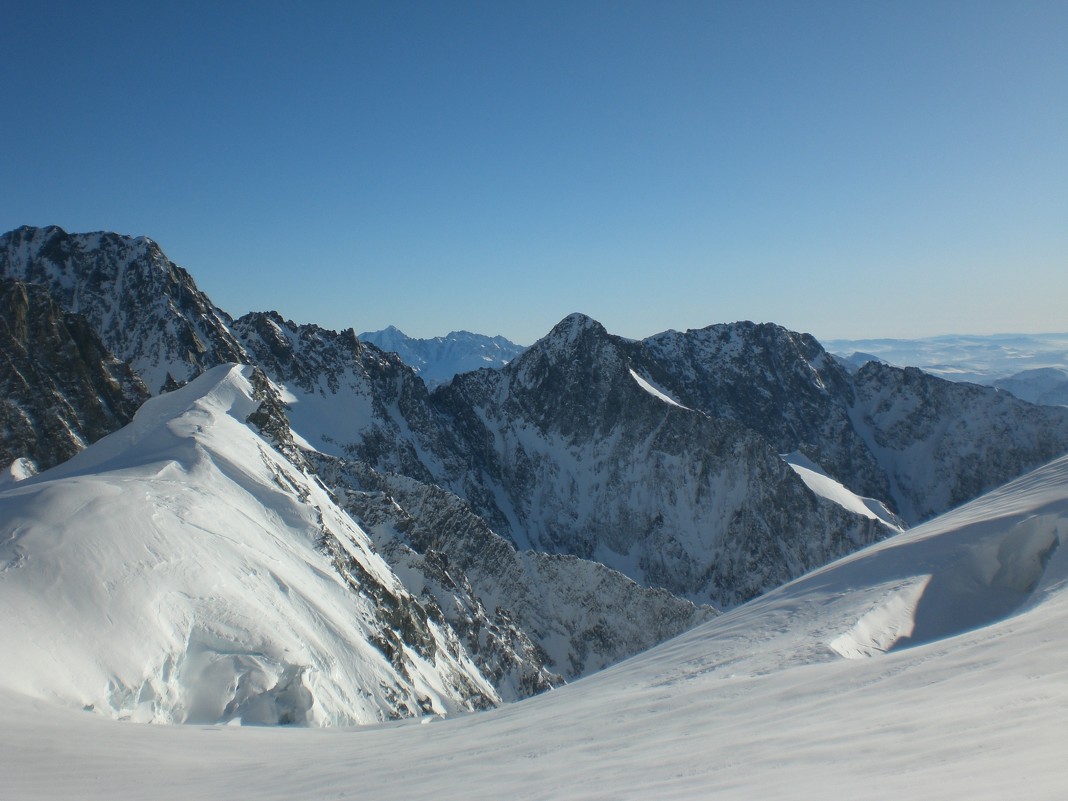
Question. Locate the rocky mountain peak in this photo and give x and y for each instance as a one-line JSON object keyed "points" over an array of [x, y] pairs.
{"points": [[577, 344], [147, 310], [300, 353], [777, 382], [573, 327], [576, 380]]}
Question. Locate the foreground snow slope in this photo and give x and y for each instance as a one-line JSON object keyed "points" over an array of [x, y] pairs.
{"points": [[958, 688], [181, 570]]}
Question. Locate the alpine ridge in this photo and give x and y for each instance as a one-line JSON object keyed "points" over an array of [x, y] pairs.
{"points": [[196, 575], [545, 518]]}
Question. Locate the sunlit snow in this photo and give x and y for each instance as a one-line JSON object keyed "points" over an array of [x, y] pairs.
{"points": [[174, 572], [956, 687], [654, 391], [817, 480]]}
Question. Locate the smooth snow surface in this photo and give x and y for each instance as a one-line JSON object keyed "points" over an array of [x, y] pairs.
{"points": [[955, 686], [817, 480], [654, 391], [174, 572]]}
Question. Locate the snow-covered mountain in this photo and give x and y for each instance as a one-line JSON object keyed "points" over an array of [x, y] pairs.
{"points": [[1045, 385], [929, 665], [351, 399], [438, 359], [579, 453], [777, 382], [348, 398], [381, 443], [146, 309], [942, 443], [182, 570], [658, 459], [918, 442]]}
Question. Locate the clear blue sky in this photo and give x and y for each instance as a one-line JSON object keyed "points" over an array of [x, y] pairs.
{"points": [[852, 169]]}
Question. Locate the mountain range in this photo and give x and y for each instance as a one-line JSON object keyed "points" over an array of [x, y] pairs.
{"points": [[438, 359], [1033, 367], [323, 538]]}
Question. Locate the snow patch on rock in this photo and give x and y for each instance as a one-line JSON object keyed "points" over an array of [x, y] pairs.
{"points": [[655, 391]]}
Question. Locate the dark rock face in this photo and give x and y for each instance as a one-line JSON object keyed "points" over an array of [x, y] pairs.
{"points": [[403, 630], [524, 616], [578, 458], [943, 443], [146, 309], [60, 388], [271, 421], [499, 646], [779, 383]]}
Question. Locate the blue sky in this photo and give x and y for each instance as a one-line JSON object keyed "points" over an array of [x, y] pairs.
{"points": [[851, 169]]}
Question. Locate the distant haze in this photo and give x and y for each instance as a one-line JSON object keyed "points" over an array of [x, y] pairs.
{"points": [[968, 358]]}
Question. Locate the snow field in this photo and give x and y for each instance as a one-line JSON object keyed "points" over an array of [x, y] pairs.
{"points": [[185, 581], [755, 704]]}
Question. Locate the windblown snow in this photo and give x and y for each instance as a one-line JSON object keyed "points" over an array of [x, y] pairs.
{"points": [[929, 665], [176, 571]]}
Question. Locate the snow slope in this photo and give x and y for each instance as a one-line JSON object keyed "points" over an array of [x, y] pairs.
{"points": [[181, 570], [955, 686], [817, 480]]}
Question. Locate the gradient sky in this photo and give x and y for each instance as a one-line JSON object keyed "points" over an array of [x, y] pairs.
{"points": [[851, 169]]}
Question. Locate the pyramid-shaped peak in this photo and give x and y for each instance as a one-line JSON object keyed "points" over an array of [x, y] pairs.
{"points": [[573, 326]]}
